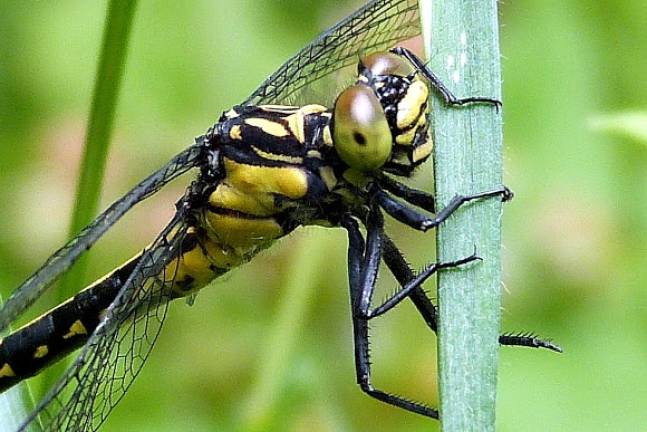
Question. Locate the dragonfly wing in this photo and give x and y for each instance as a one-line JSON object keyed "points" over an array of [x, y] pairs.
{"points": [[63, 259], [115, 353], [379, 25]]}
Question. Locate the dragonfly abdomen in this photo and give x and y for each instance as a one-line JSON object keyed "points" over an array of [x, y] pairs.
{"points": [[59, 331], [65, 328]]}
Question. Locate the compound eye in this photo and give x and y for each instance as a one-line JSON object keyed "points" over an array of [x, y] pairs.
{"points": [[387, 63], [360, 130]]}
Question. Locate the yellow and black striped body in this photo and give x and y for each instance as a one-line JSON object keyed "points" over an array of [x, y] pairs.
{"points": [[273, 175], [274, 178], [60, 331], [276, 169]]}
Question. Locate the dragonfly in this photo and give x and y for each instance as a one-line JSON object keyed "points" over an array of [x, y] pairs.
{"points": [[267, 167]]}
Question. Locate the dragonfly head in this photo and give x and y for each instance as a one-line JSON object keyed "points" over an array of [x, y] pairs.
{"points": [[380, 123]]}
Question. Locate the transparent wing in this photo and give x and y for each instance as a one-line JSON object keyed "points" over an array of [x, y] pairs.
{"points": [[115, 353], [63, 258], [328, 62]]}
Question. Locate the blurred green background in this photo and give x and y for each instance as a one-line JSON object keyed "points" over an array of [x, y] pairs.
{"points": [[269, 347]]}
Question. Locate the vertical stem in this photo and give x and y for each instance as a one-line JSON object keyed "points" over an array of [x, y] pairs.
{"points": [[112, 60], [108, 78], [261, 409], [468, 159]]}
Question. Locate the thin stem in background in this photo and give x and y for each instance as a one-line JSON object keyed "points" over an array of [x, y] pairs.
{"points": [[277, 358], [107, 83], [109, 74]]}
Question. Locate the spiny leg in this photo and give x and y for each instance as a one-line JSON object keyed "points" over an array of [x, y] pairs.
{"points": [[395, 261], [528, 340], [399, 267], [426, 308], [415, 283], [435, 81], [421, 222], [359, 271]]}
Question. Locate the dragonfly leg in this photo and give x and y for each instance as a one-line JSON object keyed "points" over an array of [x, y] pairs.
{"points": [[362, 272], [416, 283], [399, 267], [529, 340], [422, 222], [418, 198], [435, 81]]}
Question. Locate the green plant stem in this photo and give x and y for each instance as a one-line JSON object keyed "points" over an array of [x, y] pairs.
{"points": [[468, 159], [108, 80], [260, 410]]}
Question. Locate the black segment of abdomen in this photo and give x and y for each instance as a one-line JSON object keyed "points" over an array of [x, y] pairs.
{"points": [[19, 348]]}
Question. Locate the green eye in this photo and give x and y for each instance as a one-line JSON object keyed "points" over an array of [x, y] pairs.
{"points": [[360, 130]]}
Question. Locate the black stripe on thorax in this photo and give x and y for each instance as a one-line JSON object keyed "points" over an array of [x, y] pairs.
{"points": [[245, 155]]}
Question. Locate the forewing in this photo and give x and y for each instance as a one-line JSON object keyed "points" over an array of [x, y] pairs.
{"points": [[63, 258], [326, 64], [115, 353]]}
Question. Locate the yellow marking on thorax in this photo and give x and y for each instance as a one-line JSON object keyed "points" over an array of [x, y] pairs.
{"points": [[409, 108], [270, 127], [296, 121], [281, 109], [228, 197], [407, 137], [77, 328], [221, 256], [234, 133], [241, 233], [328, 176], [192, 267], [327, 136], [231, 114], [291, 182], [6, 371], [423, 151], [41, 351], [277, 157], [312, 109], [195, 268]]}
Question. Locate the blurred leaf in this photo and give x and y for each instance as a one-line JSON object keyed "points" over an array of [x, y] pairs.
{"points": [[15, 404], [632, 125]]}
